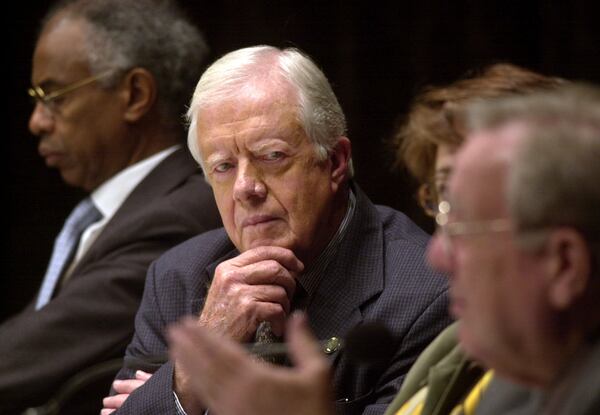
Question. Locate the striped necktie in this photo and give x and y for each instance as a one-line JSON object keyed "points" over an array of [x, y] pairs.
{"points": [[84, 214]]}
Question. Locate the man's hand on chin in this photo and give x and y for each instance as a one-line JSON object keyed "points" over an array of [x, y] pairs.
{"points": [[255, 286]]}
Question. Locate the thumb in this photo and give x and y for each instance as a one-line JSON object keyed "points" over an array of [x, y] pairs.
{"points": [[304, 348]]}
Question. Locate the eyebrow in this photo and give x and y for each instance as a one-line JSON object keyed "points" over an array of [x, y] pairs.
{"points": [[265, 143], [216, 157]]}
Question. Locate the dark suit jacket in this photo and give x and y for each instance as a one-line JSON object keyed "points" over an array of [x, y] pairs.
{"points": [[378, 274], [576, 392], [91, 318]]}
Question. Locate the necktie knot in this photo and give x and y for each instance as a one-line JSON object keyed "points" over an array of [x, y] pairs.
{"points": [[264, 335], [264, 332], [84, 214]]}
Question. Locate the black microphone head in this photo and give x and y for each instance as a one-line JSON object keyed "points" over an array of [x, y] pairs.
{"points": [[370, 343]]}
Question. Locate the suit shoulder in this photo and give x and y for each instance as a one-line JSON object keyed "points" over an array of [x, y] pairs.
{"points": [[194, 200], [197, 252], [406, 255], [397, 226]]}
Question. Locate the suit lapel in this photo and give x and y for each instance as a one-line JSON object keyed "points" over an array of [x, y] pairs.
{"points": [[169, 173], [354, 275]]}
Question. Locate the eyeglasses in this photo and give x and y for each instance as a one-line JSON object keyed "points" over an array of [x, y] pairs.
{"points": [[447, 230], [48, 99], [430, 193]]}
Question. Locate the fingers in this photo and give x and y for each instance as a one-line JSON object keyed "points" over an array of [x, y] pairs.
{"points": [[123, 388], [222, 369], [192, 338], [282, 255], [127, 386], [270, 294], [304, 348], [274, 314], [141, 375], [199, 351], [261, 271], [313, 369], [270, 272], [114, 402], [255, 286]]}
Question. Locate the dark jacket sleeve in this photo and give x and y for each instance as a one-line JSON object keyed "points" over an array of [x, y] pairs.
{"points": [[175, 286], [91, 319], [148, 347]]}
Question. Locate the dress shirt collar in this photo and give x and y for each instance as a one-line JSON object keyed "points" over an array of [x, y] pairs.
{"points": [[310, 279], [112, 193]]}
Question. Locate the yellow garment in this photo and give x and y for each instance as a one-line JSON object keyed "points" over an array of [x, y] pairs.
{"points": [[414, 406], [474, 397]]}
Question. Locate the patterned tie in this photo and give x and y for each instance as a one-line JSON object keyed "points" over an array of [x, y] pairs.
{"points": [[84, 214], [264, 333]]}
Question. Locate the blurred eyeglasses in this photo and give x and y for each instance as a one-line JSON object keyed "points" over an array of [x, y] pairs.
{"points": [[50, 99], [449, 230]]}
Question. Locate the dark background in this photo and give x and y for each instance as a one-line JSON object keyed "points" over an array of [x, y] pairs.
{"points": [[377, 55]]}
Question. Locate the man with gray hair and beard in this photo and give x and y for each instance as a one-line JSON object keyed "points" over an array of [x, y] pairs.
{"points": [[518, 238], [298, 234], [110, 80]]}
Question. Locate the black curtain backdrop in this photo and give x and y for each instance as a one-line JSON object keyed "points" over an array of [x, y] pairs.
{"points": [[377, 55]]}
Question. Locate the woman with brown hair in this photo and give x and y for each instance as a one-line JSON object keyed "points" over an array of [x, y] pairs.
{"points": [[444, 380], [427, 140]]}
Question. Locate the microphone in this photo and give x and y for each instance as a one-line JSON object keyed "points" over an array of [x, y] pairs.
{"points": [[367, 343]]}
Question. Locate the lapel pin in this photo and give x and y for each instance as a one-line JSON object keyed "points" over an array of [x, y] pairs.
{"points": [[332, 345]]}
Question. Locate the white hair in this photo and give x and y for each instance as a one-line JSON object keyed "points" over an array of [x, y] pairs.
{"points": [[554, 178], [319, 111]]}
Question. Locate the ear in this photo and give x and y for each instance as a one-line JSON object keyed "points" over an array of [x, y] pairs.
{"points": [[340, 159], [427, 199], [139, 93], [568, 266]]}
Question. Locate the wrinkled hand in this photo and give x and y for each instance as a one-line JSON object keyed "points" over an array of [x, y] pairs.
{"points": [[229, 381], [255, 286], [123, 388]]}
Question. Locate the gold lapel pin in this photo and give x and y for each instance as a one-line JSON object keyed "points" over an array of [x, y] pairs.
{"points": [[332, 345]]}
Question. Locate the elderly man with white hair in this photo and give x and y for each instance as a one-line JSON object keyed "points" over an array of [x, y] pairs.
{"points": [[298, 235]]}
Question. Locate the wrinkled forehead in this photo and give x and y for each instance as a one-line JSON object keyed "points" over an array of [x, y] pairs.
{"points": [[247, 123], [251, 99], [60, 50], [478, 185], [245, 108]]}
